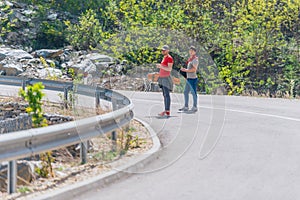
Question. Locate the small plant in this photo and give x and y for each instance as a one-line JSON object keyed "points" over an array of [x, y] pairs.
{"points": [[77, 78], [33, 95], [24, 189], [46, 168], [72, 96], [127, 140], [60, 168], [106, 156]]}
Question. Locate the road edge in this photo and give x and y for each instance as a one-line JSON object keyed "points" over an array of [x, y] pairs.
{"points": [[100, 181]]}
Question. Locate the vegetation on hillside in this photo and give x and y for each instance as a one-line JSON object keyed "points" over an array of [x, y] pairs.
{"points": [[254, 44]]}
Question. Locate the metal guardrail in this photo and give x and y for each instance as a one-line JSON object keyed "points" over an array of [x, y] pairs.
{"points": [[22, 144]]}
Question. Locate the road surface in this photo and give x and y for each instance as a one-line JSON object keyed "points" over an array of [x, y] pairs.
{"points": [[233, 148]]}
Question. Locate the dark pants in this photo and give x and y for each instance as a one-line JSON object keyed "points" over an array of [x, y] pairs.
{"points": [[167, 98], [191, 86]]}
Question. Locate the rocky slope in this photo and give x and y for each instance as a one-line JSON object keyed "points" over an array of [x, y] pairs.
{"points": [[18, 57]]}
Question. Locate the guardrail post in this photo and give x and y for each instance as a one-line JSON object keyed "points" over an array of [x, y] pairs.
{"points": [[97, 99], [114, 140], [66, 90], [12, 176], [115, 106], [83, 151], [24, 83]]}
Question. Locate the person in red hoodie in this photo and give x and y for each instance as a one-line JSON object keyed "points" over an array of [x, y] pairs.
{"points": [[165, 81]]}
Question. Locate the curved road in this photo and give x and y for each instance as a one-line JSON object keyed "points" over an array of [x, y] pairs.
{"points": [[233, 148], [256, 157]]}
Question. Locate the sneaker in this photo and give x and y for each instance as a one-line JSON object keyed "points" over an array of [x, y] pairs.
{"points": [[164, 114], [194, 109], [183, 109]]}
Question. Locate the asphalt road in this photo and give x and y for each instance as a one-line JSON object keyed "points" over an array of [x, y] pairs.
{"points": [[233, 148]]}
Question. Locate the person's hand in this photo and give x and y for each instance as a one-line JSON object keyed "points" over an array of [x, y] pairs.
{"points": [[183, 69]]}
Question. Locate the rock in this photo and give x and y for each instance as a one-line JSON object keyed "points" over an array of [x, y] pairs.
{"points": [[21, 17], [99, 58], [2, 56], [25, 174], [50, 72], [52, 17], [57, 119], [16, 54], [86, 66], [12, 38], [48, 53], [11, 69], [9, 4], [19, 5], [221, 90], [28, 12]]}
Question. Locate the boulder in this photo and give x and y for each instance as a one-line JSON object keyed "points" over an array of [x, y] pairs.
{"points": [[52, 17], [50, 72], [11, 69], [21, 17], [48, 53], [8, 3], [2, 56], [86, 66], [16, 54], [28, 12], [99, 58], [25, 174]]}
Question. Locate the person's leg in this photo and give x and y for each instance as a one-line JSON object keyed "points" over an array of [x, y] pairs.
{"points": [[194, 83], [167, 98], [186, 92]]}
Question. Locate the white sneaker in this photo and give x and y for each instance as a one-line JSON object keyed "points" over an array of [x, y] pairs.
{"points": [[194, 109], [183, 109]]}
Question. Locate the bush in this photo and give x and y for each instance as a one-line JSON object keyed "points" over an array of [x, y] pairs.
{"points": [[87, 33]]}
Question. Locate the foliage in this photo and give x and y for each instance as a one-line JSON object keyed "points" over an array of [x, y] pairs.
{"points": [[46, 169], [24, 189], [248, 46], [6, 25], [87, 33], [33, 95], [50, 35]]}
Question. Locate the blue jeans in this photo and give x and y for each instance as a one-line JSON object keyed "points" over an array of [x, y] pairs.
{"points": [[191, 86], [167, 98]]}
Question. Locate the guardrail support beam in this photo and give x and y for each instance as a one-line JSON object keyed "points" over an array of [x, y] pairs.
{"points": [[114, 140], [66, 97], [97, 99], [24, 83], [12, 177], [83, 151]]}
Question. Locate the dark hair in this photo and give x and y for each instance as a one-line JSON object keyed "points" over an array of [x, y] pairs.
{"points": [[193, 48]]}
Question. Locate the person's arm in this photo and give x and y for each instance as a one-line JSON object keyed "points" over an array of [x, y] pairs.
{"points": [[193, 69], [168, 68]]}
